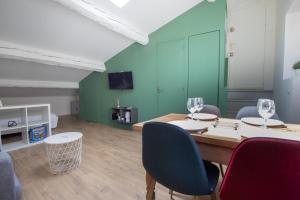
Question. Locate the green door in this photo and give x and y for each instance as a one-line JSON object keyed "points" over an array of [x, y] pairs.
{"points": [[204, 56], [171, 82]]}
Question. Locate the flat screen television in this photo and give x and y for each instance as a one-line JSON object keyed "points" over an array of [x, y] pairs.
{"points": [[120, 81]]}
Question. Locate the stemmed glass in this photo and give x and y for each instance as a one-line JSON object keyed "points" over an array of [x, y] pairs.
{"points": [[266, 109], [191, 106], [199, 104]]}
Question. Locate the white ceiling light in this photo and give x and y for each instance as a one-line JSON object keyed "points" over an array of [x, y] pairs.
{"points": [[120, 3]]}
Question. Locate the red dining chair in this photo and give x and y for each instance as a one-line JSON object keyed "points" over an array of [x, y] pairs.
{"points": [[263, 169]]}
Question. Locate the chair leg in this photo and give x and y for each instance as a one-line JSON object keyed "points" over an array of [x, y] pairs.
{"points": [[171, 194], [150, 187], [150, 193], [213, 196], [222, 170]]}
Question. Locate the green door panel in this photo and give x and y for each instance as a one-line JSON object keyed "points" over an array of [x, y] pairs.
{"points": [[204, 58], [171, 92]]}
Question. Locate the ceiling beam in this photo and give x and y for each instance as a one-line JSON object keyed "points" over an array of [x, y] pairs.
{"points": [[38, 84], [18, 52], [104, 18]]}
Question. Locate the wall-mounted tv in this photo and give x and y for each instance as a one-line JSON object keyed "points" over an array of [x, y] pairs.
{"points": [[120, 81]]}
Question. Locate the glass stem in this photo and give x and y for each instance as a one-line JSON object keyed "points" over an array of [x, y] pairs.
{"points": [[265, 124]]}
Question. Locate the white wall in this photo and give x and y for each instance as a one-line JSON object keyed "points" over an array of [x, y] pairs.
{"points": [[286, 91], [252, 43], [60, 99]]}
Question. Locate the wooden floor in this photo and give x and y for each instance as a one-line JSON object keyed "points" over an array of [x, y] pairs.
{"points": [[111, 168]]}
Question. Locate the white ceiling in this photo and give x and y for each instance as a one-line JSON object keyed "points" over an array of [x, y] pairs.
{"points": [[149, 15], [48, 25], [17, 70]]}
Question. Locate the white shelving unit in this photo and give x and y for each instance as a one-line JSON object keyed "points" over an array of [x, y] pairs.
{"points": [[26, 116]]}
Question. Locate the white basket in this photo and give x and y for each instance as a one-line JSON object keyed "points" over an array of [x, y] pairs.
{"points": [[64, 152]]}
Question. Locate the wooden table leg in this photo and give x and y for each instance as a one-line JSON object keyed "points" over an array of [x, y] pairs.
{"points": [[150, 182], [222, 170], [213, 196]]}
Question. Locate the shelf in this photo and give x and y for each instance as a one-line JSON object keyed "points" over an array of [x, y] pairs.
{"points": [[125, 115], [29, 116], [37, 123], [23, 106], [13, 146], [123, 108], [38, 142], [5, 128], [123, 122], [31, 124], [18, 145]]}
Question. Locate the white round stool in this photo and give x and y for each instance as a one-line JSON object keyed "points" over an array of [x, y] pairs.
{"points": [[64, 151]]}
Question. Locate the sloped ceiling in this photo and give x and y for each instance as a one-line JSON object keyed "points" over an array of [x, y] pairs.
{"points": [[47, 25], [20, 69]]}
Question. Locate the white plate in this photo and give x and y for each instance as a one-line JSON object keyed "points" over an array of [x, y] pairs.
{"points": [[260, 122], [189, 125], [203, 116]]}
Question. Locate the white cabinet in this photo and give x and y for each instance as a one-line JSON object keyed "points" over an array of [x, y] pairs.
{"points": [[26, 117]]}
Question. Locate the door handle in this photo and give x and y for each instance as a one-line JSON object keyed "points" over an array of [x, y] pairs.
{"points": [[159, 90]]}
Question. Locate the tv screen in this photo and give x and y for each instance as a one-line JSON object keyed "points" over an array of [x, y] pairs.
{"points": [[120, 80]]}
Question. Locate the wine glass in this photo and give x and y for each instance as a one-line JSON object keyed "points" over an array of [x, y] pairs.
{"points": [[191, 106], [266, 109], [199, 104]]}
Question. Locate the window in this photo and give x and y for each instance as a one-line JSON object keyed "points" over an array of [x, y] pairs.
{"points": [[120, 3]]}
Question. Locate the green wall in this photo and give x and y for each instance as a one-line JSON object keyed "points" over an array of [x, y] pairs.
{"points": [[96, 100]]}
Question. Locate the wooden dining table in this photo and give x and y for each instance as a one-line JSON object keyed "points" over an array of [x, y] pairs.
{"points": [[212, 148]]}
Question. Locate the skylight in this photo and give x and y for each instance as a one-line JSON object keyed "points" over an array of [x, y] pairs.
{"points": [[120, 3]]}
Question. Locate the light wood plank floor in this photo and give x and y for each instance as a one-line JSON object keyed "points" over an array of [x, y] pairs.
{"points": [[111, 168]]}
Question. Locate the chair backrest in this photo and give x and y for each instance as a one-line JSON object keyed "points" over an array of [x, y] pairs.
{"points": [[251, 111], [172, 158], [211, 110], [263, 169]]}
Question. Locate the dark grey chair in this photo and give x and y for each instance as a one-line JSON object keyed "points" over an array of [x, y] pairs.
{"points": [[10, 187], [210, 109], [251, 111], [172, 158]]}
